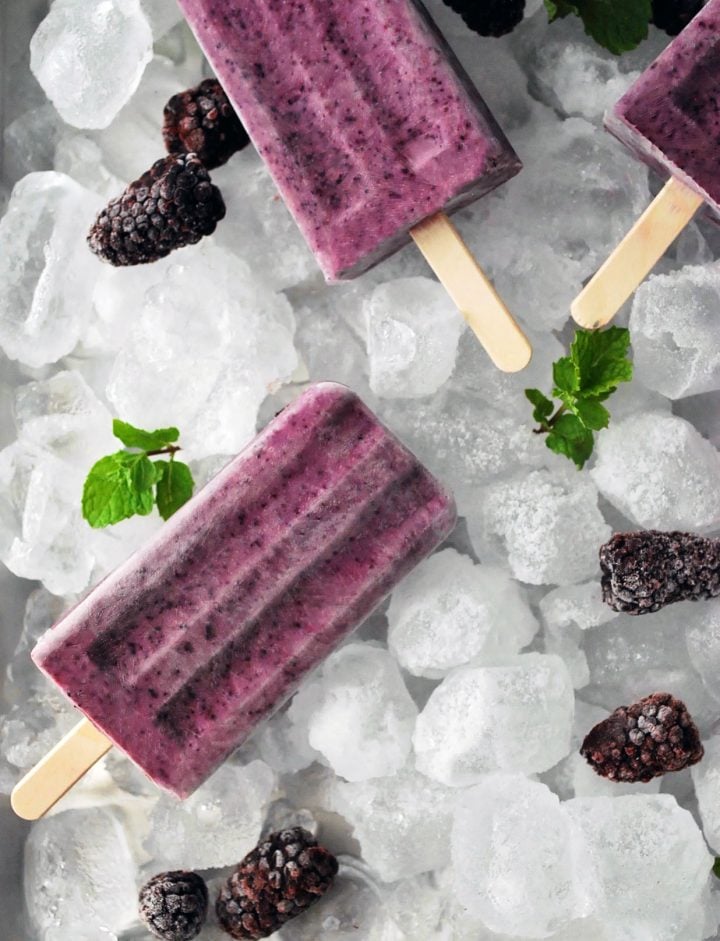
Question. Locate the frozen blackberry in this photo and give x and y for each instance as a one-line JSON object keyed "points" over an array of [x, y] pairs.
{"points": [[643, 741], [644, 571], [173, 204], [490, 17], [674, 15], [201, 120], [275, 882], [174, 905]]}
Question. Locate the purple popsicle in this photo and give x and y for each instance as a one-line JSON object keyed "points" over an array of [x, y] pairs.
{"points": [[183, 650], [362, 114]]}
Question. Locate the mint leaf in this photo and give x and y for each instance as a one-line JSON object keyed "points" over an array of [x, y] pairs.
{"points": [[565, 376], [570, 437], [543, 406], [591, 413], [557, 9], [118, 487], [175, 486], [716, 866], [600, 357], [617, 25], [133, 437]]}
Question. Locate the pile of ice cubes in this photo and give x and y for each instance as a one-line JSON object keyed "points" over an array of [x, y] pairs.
{"points": [[436, 751]]}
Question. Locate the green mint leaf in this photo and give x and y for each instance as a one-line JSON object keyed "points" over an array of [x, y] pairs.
{"points": [[600, 357], [557, 9], [565, 376], [174, 488], [591, 413], [543, 406], [617, 25], [716, 866], [117, 488], [133, 437], [570, 437]]}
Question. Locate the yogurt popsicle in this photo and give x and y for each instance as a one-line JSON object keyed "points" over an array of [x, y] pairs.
{"points": [[198, 637], [368, 125], [670, 120]]}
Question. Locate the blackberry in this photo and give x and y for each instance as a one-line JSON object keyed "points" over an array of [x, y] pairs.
{"points": [[644, 571], [490, 17], [174, 905], [674, 15], [643, 741], [201, 120], [173, 204], [275, 882]]}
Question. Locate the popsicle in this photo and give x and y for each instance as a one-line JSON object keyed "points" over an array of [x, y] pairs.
{"points": [[178, 655], [670, 120], [372, 132]]}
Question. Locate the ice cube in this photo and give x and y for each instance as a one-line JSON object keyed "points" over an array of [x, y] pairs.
{"points": [[647, 866], [706, 778], [46, 269], [412, 333], [518, 865], [162, 15], [402, 822], [79, 877], [358, 712], [702, 635], [89, 60], [513, 714], [421, 907], [659, 472], [210, 344], [284, 744], [217, 825], [80, 157], [29, 141], [546, 524], [450, 611], [674, 327]]}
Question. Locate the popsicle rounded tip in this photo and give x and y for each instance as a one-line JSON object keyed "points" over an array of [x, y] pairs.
{"points": [[586, 315], [24, 806], [514, 359]]}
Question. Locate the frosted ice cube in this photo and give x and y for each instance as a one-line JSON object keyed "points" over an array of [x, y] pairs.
{"points": [[648, 865], [29, 141], [546, 523], [511, 715], [674, 330], [706, 778], [162, 15], [89, 60], [81, 158], [358, 712], [518, 865], [402, 822], [217, 825], [79, 877], [412, 333], [450, 611], [210, 344], [659, 472], [702, 635], [46, 269], [284, 745], [421, 907]]}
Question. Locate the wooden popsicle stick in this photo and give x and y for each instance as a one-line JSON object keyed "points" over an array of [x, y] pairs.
{"points": [[51, 778], [637, 254], [468, 286]]}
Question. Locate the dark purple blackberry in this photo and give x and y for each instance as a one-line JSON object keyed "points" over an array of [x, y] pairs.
{"points": [[644, 571], [276, 881], [674, 15], [174, 905], [201, 120], [490, 17], [172, 205], [644, 741]]}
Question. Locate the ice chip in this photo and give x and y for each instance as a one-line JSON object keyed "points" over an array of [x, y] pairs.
{"points": [[90, 59], [706, 778], [359, 714], [450, 611], [510, 715], [702, 635]]}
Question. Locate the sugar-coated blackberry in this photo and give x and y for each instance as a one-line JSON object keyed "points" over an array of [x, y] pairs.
{"points": [[275, 882], [490, 17], [201, 120], [173, 204], [174, 905], [643, 741], [674, 15]]}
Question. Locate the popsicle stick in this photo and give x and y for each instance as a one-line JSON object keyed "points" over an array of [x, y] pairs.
{"points": [[637, 254], [461, 276], [62, 767]]}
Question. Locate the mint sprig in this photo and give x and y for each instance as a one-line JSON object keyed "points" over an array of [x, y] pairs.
{"points": [[127, 483], [583, 381], [617, 25]]}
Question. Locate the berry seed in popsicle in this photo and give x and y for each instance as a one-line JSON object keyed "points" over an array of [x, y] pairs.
{"points": [[669, 119]]}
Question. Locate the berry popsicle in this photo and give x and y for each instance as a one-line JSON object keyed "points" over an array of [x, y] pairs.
{"points": [[207, 630], [670, 120], [371, 131]]}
